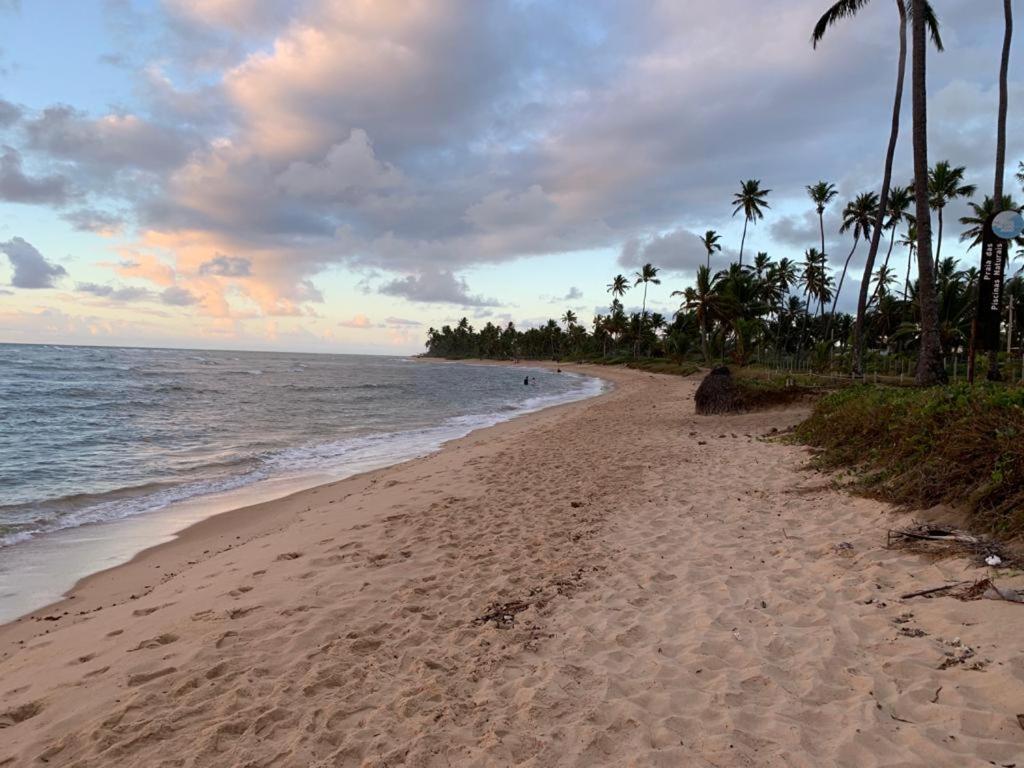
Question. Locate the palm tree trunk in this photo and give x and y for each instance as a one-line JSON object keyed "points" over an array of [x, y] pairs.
{"points": [[704, 339], [906, 282], [883, 203], [938, 242], [640, 325], [993, 355], [821, 226], [930, 370], [839, 289], [743, 240]]}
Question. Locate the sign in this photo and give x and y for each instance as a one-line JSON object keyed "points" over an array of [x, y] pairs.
{"points": [[1008, 225], [995, 246]]}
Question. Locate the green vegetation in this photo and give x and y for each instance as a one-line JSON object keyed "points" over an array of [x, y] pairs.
{"points": [[956, 445]]}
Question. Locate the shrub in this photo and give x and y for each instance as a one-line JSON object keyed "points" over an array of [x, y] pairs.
{"points": [[921, 447]]}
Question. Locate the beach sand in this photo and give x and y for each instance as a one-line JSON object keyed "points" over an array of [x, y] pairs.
{"points": [[610, 583]]}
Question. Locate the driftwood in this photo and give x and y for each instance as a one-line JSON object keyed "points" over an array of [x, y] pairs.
{"points": [[938, 538], [932, 590], [971, 590]]}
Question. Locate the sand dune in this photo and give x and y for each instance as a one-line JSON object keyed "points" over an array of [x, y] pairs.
{"points": [[610, 583]]}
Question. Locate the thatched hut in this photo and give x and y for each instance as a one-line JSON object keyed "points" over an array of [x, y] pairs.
{"points": [[718, 393]]}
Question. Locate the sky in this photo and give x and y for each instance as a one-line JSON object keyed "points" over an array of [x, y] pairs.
{"points": [[340, 175]]}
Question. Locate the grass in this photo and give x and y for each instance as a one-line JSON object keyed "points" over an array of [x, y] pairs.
{"points": [[649, 364], [954, 445]]}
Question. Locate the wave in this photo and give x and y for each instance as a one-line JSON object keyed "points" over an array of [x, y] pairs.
{"points": [[337, 459]]}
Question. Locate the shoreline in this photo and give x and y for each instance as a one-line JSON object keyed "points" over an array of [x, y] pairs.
{"points": [[610, 582], [218, 525]]}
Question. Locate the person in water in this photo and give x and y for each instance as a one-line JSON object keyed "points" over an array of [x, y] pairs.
{"points": [[526, 381]]}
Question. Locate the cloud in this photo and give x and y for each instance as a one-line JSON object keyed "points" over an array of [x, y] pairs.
{"points": [[573, 294], [113, 142], [9, 113], [401, 321], [357, 321], [16, 187], [176, 296], [120, 294], [678, 250], [436, 287], [31, 269], [349, 171], [226, 266], [94, 220]]}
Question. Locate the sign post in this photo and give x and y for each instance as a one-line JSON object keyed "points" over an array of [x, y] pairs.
{"points": [[999, 230]]}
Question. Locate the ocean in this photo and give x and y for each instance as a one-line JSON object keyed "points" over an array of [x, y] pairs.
{"points": [[92, 435]]}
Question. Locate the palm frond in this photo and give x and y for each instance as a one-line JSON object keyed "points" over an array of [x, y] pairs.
{"points": [[931, 21], [843, 9]]}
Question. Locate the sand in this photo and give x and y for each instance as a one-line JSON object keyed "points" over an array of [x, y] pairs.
{"points": [[610, 583]]}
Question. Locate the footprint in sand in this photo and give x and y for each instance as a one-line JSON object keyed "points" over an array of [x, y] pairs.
{"points": [[288, 556], [237, 613], [20, 714], [155, 642], [147, 611], [145, 677]]}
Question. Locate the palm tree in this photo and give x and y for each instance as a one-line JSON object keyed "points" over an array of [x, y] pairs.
{"points": [[750, 199], [981, 214], [847, 9], [900, 199], [859, 215], [761, 264], [945, 184], [930, 369], [909, 241], [647, 274], [812, 278], [884, 278], [569, 318], [1020, 173], [618, 286], [710, 242], [821, 195]]}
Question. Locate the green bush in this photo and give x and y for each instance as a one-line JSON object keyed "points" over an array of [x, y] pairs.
{"points": [[956, 445]]}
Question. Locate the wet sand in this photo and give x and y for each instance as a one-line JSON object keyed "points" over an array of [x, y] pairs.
{"points": [[616, 582]]}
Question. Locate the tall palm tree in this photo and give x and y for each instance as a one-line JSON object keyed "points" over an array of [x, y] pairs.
{"points": [[909, 241], [618, 286], [569, 318], [900, 200], [859, 215], [812, 278], [821, 195], [710, 242], [945, 184], [844, 9], [751, 200], [648, 274], [930, 369]]}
